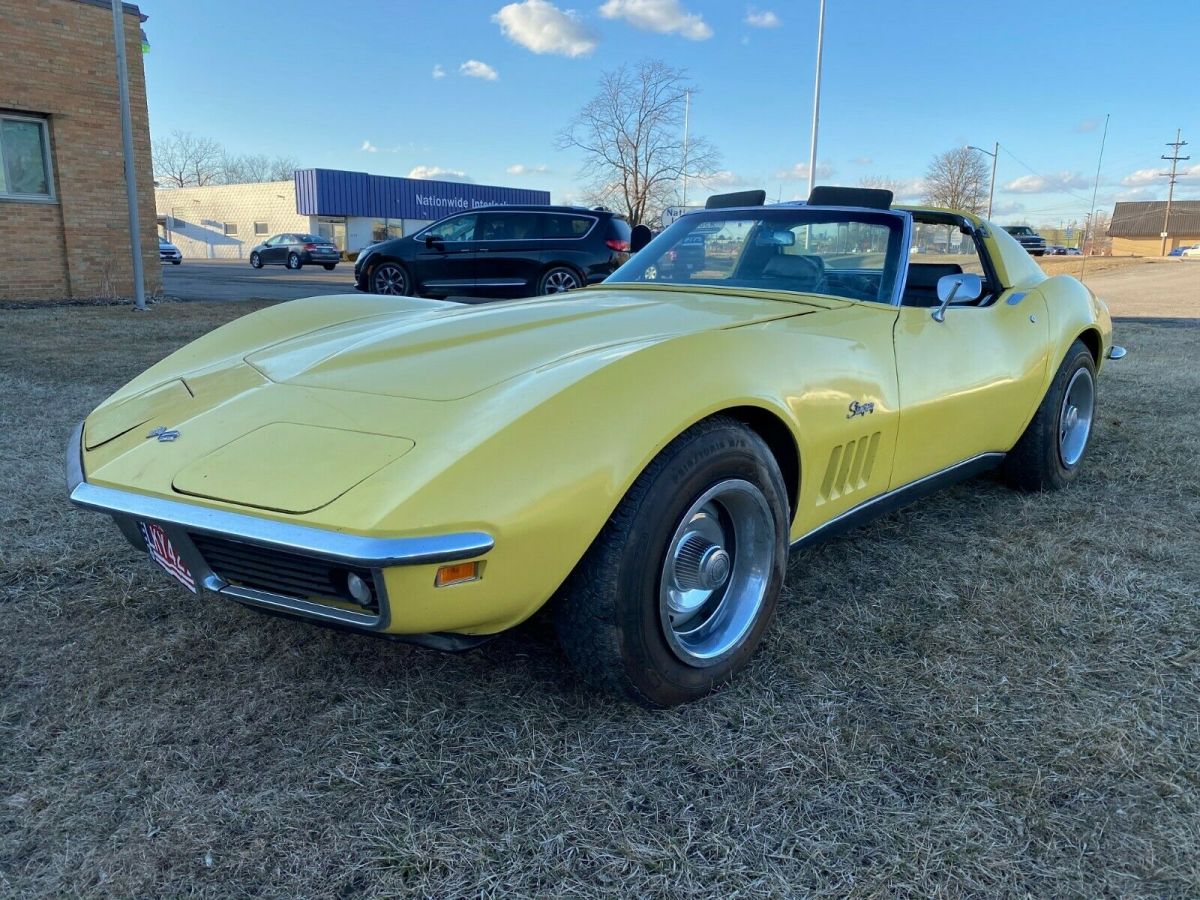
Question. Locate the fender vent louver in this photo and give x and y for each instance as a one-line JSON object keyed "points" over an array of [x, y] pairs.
{"points": [[849, 468]]}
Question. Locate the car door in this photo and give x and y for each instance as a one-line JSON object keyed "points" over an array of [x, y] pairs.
{"points": [[275, 251], [968, 384], [509, 253], [446, 253]]}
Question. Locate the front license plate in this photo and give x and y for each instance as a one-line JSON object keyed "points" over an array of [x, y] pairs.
{"points": [[163, 553]]}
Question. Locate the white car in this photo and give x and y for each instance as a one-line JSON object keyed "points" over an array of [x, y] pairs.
{"points": [[1191, 252], [168, 252]]}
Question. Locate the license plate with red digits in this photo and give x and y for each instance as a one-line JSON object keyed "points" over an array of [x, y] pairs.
{"points": [[164, 553]]}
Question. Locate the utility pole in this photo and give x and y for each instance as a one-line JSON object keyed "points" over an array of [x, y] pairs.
{"points": [[812, 153], [135, 234], [1175, 159], [995, 155], [687, 106]]}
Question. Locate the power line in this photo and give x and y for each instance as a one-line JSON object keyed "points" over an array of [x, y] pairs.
{"points": [[1175, 159], [1033, 171]]}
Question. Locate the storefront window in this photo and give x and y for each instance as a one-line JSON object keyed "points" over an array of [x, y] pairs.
{"points": [[333, 228]]}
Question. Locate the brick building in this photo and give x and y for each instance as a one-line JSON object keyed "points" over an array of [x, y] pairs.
{"points": [[1136, 227], [63, 213]]}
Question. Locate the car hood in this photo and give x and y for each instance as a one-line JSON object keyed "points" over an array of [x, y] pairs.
{"points": [[451, 352]]}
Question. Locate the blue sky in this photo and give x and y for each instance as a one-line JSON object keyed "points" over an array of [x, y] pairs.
{"points": [[352, 85]]}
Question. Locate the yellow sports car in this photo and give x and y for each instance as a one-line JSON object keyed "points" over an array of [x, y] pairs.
{"points": [[640, 454]]}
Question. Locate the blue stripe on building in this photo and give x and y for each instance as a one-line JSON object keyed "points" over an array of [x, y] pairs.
{"points": [[333, 192]]}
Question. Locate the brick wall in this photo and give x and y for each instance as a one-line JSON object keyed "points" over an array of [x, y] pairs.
{"points": [[57, 59]]}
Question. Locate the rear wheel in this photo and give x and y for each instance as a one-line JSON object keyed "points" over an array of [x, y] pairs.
{"points": [[675, 593], [294, 261], [558, 280], [1049, 453], [328, 267], [256, 261], [390, 278]]}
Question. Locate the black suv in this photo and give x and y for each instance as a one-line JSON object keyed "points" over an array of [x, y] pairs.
{"points": [[499, 251], [1033, 242]]}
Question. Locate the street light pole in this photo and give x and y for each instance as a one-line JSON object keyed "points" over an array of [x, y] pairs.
{"points": [[995, 155], [135, 234], [812, 152]]}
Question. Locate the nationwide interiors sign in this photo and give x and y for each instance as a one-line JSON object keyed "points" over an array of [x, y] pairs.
{"points": [[332, 192]]}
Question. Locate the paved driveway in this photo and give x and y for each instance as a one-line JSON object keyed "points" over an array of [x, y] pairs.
{"points": [[231, 279]]}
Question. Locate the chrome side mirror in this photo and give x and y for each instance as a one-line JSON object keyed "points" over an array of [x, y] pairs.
{"points": [[961, 288]]}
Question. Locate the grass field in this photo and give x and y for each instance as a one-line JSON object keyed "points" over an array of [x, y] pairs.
{"points": [[986, 694]]}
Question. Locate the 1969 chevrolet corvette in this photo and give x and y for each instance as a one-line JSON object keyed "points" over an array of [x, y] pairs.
{"points": [[642, 454]]}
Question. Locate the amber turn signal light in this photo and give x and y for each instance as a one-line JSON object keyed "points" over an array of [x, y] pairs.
{"points": [[456, 574]]}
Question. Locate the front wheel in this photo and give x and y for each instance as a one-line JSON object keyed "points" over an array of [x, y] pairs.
{"points": [[1049, 453], [294, 261], [558, 280], [389, 278], [256, 261], [674, 595]]}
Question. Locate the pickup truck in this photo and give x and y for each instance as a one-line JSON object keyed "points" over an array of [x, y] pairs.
{"points": [[1033, 242]]}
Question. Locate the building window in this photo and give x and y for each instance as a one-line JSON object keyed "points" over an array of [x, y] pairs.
{"points": [[25, 159], [230, 228], [261, 228]]}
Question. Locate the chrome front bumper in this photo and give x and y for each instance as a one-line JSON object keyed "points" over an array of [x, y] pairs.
{"points": [[181, 520]]}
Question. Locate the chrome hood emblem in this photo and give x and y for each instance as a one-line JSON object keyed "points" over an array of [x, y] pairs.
{"points": [[163, 434]]}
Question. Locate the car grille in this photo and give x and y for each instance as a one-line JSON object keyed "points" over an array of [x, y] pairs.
{"points": [[278, 572]]}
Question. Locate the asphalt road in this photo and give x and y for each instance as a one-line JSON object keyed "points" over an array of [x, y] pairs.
{"points": [[1161, 289], [232, 279]]}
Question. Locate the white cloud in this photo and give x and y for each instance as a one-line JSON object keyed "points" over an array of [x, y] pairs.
{"points": [[1007, 209], [1088, 125], [862, 160], [723, 179], [542, 27], [663, 16], [437, 173], [522, 169], [369, 147], [1047, 184], [799, 172], [1155, 176], [438, 71], [764, 19], [473, 68]]}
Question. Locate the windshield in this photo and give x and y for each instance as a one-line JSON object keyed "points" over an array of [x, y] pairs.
{"points": [[1019, 229], [818, 250]]}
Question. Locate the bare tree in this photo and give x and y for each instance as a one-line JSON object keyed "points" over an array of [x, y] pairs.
{"points": [[631, 135], [256, 167], [880, 182], [957, 179], [184, 160]]}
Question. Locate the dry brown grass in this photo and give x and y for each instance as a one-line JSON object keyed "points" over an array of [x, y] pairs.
{"points": [[1070, 265], [987, 694]]}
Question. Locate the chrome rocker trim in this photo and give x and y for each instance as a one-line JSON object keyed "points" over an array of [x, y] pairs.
{"points": [[179, 519], [888, 502]]}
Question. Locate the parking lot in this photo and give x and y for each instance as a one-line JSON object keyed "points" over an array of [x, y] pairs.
{"points": [[235, 279]]}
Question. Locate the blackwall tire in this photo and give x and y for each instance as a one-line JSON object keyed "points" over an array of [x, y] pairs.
{"points": [[673, 597], [1049, 454], [390, 278], [294, 261], [256, 261], [559, 280]]}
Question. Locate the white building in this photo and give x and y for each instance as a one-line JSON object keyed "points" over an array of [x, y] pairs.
{"points": [[353, 209]]}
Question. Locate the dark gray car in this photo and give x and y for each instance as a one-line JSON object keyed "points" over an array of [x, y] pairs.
{"points": [[294, 251]]}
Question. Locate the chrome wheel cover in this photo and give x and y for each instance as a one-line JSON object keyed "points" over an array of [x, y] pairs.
{"points": [[1075, 417], [716, 572], [389, 279], [561, 280]]}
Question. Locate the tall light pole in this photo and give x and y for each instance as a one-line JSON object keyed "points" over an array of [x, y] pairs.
{"points": [[687, 106], [812, 152], [135, 234], [995, 155]]}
